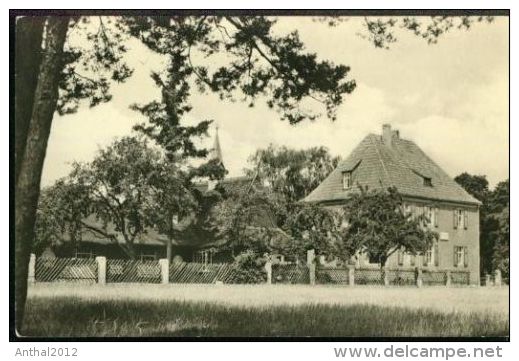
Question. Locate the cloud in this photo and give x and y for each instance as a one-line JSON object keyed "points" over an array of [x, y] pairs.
{"points": [[457, 148]]}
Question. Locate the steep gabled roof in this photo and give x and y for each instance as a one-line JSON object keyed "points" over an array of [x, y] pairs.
{"points": [[379, 164], [231, 184]]}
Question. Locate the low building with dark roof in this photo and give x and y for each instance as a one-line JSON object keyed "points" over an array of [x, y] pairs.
{"points": [[388, 160], [197, 244]]}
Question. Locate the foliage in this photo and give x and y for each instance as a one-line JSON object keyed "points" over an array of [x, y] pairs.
{"points": [[499, 199], [292, 173], [494, 221], [128, 187], [246, 220], [313, 227], [59, 212], [260, 64], [249, 268], [93, 58], [476, 185], [501, 256], [376, 223], [381, 31]]}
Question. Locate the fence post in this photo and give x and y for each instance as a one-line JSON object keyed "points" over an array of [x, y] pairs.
{"points": [[164, 271], [32, 269], [419, 280], [310, 262], [351, 275], [101, 270], [449, 279], [497, 278], [386, 276], [488, 280], [268, 269]]}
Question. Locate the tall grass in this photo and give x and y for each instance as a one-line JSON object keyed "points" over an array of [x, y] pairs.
{"points": [[77, 317]]}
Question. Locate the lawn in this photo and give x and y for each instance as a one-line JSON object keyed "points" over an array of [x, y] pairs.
{"points": [[263, 310]]}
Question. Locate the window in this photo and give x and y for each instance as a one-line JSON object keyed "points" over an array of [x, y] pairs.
{"points": [[427, 181], [400, 257], [148, 257], [427, 258], [432, 215], [460, 219], [85, 254], [436, 255], [205, 257], [461, 258], [413, 260], [429, 214], [346, 180]]}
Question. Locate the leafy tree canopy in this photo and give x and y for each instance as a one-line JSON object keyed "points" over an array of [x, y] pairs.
{"points": [[494, 220], [127, 188], [376, 223], [476, 185], [246, 220], [313, 227], [292, 173]]}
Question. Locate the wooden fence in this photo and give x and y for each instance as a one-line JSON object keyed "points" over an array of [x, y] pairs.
{"points": [[339, 276], [65, 270], [290, 274], [201, 273], [391, 277], [101, 270], [133, 271]]}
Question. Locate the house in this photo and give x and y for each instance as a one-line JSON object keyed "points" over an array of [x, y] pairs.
{"points": [[198, 244], [382, 161]]}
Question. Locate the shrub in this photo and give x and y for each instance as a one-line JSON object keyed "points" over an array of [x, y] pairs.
{"points": [[249, 267]]}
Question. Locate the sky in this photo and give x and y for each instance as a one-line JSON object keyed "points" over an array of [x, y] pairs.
{"points": [[451, 98]]}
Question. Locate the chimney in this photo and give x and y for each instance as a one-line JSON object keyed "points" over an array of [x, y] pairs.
{"points": [[386, 134]]}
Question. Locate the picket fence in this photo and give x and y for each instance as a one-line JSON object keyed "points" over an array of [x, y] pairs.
{"points": [[102, 270]]}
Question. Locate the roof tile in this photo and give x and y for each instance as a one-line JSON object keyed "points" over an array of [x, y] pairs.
{"points": [[402, 164]]}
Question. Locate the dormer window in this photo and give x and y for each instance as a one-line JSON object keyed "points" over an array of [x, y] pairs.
{"points": [[427, 181], [347, 181]]}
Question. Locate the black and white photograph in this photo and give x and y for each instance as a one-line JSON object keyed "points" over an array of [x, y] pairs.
{"points": [[250, 174]]}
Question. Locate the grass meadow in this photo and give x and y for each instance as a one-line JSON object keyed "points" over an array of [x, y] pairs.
{"points": [[264, 310]]}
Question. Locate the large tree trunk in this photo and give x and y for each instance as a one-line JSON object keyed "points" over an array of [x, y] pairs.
{"points": [[29, 32], [31, 164]]}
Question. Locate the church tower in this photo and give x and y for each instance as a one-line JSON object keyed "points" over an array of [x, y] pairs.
{"points": [[216, 152]]}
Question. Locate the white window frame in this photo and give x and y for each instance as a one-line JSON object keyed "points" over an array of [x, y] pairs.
{"points": [[461, 256], [347, 180], [429, 257], [461, 221], [429, 213]]}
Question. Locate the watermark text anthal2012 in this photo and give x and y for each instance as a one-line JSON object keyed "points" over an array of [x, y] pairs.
{"points": [[46, 352]]}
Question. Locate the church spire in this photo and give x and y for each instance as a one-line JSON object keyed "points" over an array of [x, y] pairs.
{"points": [[217, 150]]}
